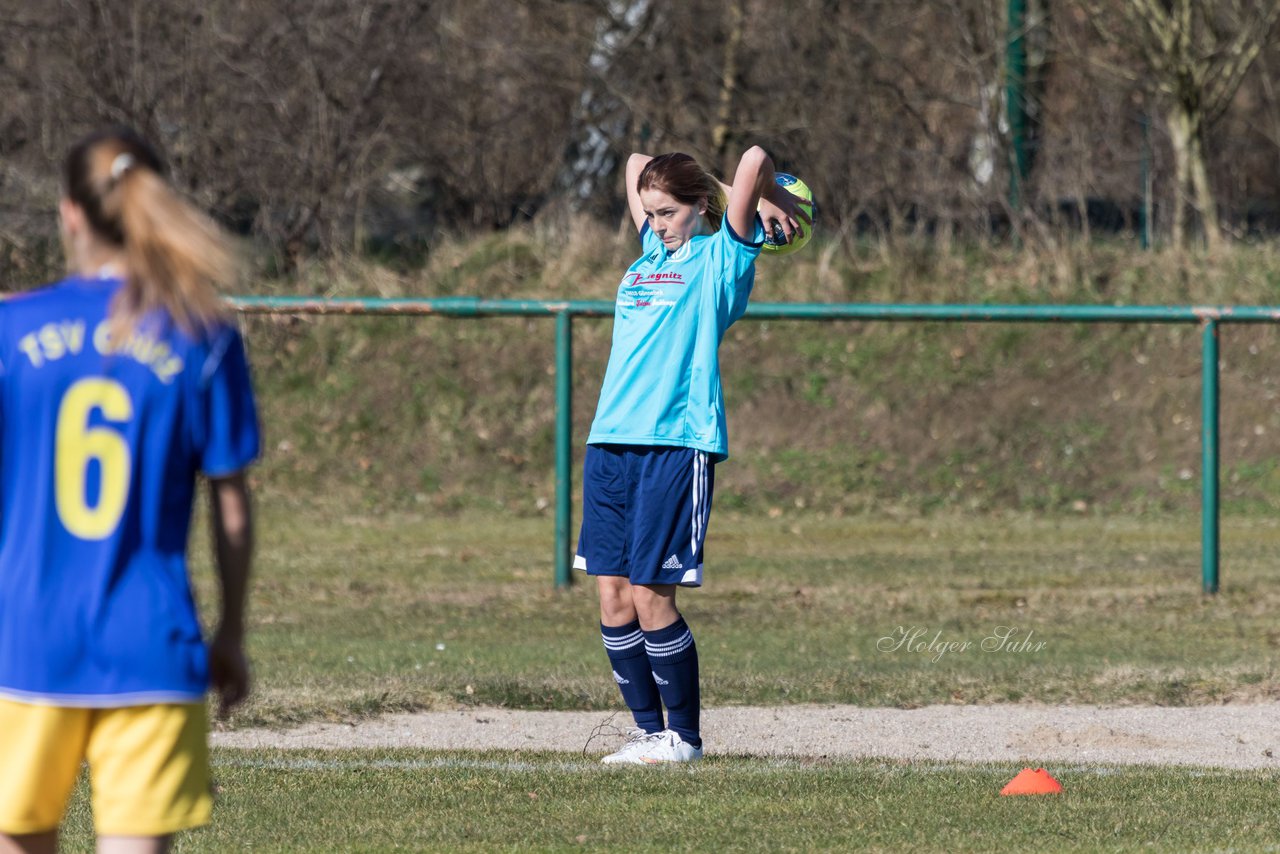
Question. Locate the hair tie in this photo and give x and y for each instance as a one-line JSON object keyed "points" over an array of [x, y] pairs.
{"points": [[123, 162]]}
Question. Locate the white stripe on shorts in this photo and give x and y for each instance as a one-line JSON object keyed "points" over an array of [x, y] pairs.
{"points": [[700, 510]]}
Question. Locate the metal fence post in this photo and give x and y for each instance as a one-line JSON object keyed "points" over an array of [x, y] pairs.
{"points": [[564, 444], [1209, 468]]}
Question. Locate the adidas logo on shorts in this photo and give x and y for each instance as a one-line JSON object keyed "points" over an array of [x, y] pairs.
{"points": [[673, 562]]}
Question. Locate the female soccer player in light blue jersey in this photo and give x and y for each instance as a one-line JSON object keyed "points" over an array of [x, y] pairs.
{"points": [[660, 429], [118, 385]]}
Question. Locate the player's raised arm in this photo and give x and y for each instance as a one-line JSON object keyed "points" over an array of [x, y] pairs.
{"points": [[754, 187], [635, 165]]}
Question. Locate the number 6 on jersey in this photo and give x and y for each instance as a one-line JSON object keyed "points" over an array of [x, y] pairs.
{"points": [[79, 445]]}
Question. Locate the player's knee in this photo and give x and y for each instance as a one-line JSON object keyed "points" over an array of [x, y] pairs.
{"points": [[616, 605], [655, 606]]}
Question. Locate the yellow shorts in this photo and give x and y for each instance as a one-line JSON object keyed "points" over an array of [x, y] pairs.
{"points": [[148, 767]]}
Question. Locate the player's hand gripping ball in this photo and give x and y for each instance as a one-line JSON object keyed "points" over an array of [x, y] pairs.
{"points": [[775, 243]]}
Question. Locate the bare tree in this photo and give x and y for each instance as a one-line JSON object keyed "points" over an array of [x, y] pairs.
{"points": [[315, 124], [720, 132], [306, 112], [1195, 56], [602, 118], [878, 105]]}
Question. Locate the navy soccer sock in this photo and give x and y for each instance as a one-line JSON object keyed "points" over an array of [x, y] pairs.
{"points": [[674, 659], [625, 646]]}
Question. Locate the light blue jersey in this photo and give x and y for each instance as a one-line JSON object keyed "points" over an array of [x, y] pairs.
{"points": [[100, 444], [662, 383]]}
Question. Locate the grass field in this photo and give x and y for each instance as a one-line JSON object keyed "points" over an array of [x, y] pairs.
{"points": [[406, 800], [355, 614]]}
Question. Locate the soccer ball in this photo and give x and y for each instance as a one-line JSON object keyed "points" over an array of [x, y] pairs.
{"points": [[775, 244]]}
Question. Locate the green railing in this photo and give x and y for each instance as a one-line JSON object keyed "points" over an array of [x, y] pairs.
{"points": [[1208, 317]]}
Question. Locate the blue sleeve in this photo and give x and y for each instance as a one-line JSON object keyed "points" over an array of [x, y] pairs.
{"points": [[228, 432], [735, 259]]}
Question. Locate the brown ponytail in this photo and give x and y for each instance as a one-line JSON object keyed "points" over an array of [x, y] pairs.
{"points": [[175, 256]]}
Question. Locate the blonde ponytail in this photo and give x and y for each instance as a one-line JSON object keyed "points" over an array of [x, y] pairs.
{"points": [[176, 257]]}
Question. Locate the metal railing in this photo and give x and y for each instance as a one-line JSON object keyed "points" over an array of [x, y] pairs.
{"points": [[1209, 318]]}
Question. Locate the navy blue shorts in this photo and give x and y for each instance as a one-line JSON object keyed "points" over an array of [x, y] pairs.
{"points": [[644, 513]]}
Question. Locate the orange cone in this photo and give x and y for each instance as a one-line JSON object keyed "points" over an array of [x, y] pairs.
{"points": [[1028, 782]]}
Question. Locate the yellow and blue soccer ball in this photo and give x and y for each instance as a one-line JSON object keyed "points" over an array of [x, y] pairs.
{"points": [[776, 244]]}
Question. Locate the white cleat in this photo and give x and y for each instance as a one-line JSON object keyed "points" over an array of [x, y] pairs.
{"points": [[638, 741], [666, 747]]}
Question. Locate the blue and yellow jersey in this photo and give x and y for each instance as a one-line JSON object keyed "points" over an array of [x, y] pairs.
{"points": [[100, 444], [662, 383]]}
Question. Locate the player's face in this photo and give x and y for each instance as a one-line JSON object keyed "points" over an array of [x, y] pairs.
{"points": [[673, 221]]}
